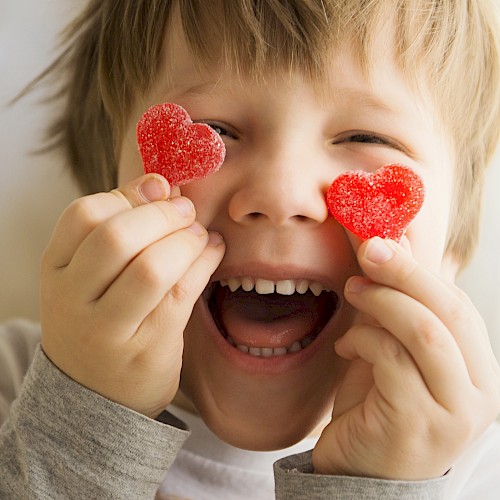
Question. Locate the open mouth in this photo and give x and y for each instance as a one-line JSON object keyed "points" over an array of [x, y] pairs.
{"points": [[264, 318]]}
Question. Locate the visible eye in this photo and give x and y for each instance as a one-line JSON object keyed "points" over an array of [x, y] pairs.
{"points": [[366, 138], [221, 129]]}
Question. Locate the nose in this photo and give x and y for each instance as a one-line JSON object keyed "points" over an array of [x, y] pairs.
{"points": [[280, 189]]}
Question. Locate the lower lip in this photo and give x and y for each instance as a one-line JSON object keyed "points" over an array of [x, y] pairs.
{"points": [[272, 365]]}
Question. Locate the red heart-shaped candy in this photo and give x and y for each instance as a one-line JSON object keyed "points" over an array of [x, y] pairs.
{"points": [[382, 203], [173, 146]]}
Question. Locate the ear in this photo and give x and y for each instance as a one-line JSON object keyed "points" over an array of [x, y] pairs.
{"points": [[450, 266]]}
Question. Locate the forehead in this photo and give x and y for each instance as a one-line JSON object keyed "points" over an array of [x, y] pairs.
{"points": [[259, 49], [345, 71]]}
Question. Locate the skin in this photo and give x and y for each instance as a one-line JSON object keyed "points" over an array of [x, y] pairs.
{"points": [[405, 342]]}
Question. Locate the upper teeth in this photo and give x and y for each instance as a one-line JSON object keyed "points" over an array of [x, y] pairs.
{"points": [[283, 287]]}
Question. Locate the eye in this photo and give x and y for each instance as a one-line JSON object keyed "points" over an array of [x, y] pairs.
{"points": [[221, 129], [366, 138]]}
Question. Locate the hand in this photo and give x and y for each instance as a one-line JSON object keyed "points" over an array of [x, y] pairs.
{"points": [[119, 279], [423, 382]]}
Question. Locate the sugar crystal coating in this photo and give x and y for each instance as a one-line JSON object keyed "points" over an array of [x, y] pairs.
{"points": [[382, 203], [172, 145]]}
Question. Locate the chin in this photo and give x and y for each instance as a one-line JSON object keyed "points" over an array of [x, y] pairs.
{"points": [[262, 403], [257, 417], [268, 434]]}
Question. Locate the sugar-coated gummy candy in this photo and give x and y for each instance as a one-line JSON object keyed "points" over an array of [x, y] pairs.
{"points": [[382, 203], [172, 145]]}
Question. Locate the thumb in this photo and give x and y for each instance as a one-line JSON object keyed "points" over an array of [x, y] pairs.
{"points": [[146, 189]]}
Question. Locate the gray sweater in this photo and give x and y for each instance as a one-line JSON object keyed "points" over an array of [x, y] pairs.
{"points": [[59, 440]]}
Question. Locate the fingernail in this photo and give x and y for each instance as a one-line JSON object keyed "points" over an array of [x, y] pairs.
{"points": [[197, 229], [183, 205], [214, 239], [153, 189], [378, 251], [357, 284]]}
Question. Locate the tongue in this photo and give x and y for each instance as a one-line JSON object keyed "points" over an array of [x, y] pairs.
{"points": [[268, 320]]}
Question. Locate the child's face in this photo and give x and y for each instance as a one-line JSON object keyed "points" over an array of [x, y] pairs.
{"points": [[286, 142]]}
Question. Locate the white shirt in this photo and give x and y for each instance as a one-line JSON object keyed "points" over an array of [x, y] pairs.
{"points": [[207, 468]]}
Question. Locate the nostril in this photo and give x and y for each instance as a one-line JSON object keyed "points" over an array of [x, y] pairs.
{"points": [[255, 204], [254, 216], [251, 217], [302, 218]]}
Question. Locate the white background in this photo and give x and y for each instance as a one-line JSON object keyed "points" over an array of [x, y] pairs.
{"points": [[35, 189]]}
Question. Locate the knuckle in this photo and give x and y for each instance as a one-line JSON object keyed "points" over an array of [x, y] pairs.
{"points": [[455, 312], [148, 271], [429, 335], [49, 265], [84, 210], [391, 348], [182, 292], [114, 235]]}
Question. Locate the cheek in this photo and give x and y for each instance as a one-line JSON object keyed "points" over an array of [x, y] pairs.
{"points": [[209, 198], [429, 231], [127, 174], [130, 162]]}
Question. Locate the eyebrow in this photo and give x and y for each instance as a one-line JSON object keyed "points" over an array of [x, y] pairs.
{"points": [[198, 89], [367, 99], [361, 97]]}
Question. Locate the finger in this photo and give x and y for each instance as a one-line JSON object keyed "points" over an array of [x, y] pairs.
{"points": [[420, 331], [405, 244], [145, 189], [355, 386], [387, 263], [84, 214], [150, 276], [395, 375], [107, 250], [356, 242], [177, 305]]}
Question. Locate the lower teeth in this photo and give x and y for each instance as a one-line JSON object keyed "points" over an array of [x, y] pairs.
{"points": [[268, 352]]}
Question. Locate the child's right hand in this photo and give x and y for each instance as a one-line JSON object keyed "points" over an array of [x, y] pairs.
{"points": [[119, 279]]}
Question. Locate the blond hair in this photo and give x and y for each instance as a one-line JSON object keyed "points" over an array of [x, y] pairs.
{"points": [[112, 54]]}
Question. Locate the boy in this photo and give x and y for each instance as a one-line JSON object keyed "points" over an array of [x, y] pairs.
{"points": [[134, 302]]}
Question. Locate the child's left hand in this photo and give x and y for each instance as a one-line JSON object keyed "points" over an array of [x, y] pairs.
{"points": [[423, 382]]}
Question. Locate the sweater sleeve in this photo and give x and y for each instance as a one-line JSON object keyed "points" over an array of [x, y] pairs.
{"points": [[63, 441], [18, 341], [295, 480]]}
